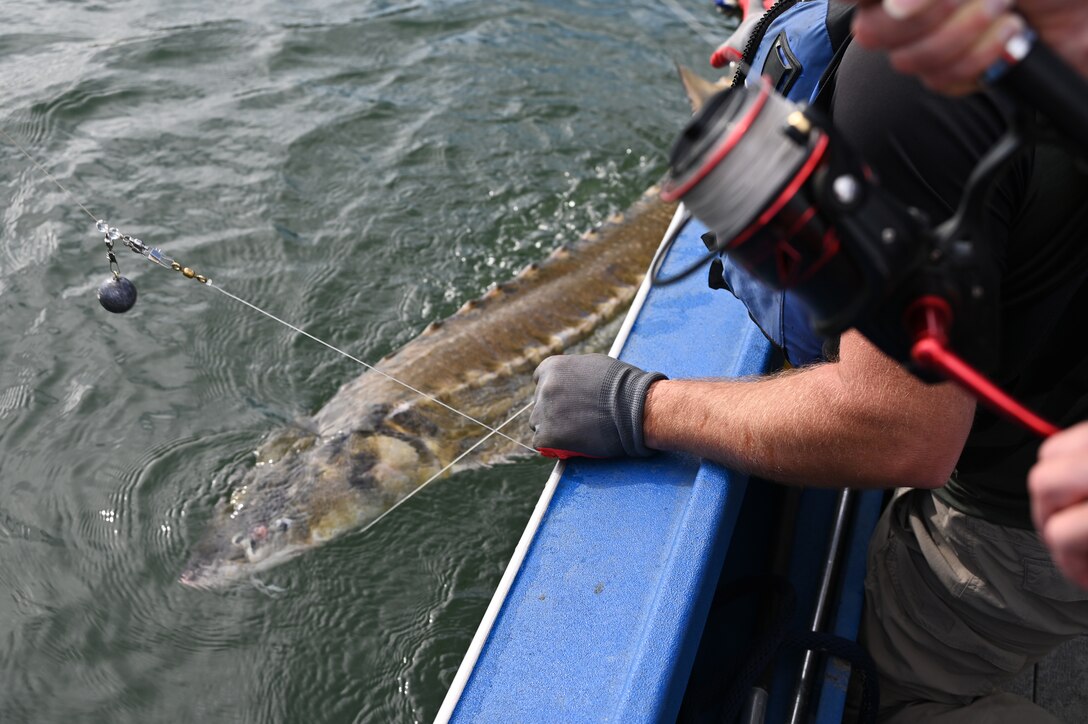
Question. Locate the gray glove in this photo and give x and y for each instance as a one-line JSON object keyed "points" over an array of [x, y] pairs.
{"points": [[589, 405]]}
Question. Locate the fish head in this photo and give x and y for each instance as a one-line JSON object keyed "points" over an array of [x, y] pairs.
{"points": [[698, 89], [235, 550], [261, 524], [305, 490]]}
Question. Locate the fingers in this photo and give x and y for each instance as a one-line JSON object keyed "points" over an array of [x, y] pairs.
{"points": [[1060, 478], [541, 376], [968, 34], [542, 368], [901, 9], [1066, 535], [559, 397], [947, 43], [1058, 486], [1055, 484], [875, 28], [959, 73], [1071, 442]]}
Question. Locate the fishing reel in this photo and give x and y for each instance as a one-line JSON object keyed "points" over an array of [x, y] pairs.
{"points": [[789, 200], [811, 217]]}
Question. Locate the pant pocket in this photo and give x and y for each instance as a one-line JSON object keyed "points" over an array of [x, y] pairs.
{"points": [[1042, 578], [940, 595]]}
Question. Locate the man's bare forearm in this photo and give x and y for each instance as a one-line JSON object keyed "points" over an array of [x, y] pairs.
{"points": [[859, 422]]}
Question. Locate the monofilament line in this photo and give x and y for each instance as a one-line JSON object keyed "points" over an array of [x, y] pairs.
{"points": [[692, 22], [48, 175], [449, 465], [372, 368], [304, 333]]}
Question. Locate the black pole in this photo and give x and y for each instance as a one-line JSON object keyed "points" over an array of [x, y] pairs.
{"points": [[1032, 73]]}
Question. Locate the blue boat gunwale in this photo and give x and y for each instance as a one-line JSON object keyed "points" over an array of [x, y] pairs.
{"points": [[527, 663], [468, 663]]}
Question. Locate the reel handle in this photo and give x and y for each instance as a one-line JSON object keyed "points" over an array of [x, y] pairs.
{"points": [[928, 319]]}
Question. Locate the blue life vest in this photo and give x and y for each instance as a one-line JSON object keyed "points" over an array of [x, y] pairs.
{"points": [[797, 42]]}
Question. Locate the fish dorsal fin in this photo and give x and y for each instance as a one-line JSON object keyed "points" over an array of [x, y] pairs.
{"points": [[698, 88]]}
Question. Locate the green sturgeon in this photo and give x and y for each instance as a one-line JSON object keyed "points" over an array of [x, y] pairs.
{"points": [[375, 441]]}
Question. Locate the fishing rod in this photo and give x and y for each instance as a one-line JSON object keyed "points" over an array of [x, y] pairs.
{"points": [[836, 545], [813, 219], [117, 294]]}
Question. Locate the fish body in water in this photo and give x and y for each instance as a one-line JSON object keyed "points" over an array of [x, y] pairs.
{"points": [[376, 441]]}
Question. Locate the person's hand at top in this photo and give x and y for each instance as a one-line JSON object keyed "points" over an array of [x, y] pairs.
{"points": [[1058, 484], [949, 43]]}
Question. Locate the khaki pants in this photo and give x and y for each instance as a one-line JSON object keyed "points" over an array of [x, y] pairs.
{"points": [[955, 607]]}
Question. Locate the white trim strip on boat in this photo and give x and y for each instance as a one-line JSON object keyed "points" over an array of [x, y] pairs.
{"points": [[464, 671]]}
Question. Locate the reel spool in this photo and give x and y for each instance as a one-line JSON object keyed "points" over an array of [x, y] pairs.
{"points": [[790, 202]]}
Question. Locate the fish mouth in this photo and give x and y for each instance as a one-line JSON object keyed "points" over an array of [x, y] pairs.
{"points": [[222, 574], [193, 579], [213, 573], [229, 554]]}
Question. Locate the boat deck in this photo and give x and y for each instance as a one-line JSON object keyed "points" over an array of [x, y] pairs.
{"points": [[619, 603]]}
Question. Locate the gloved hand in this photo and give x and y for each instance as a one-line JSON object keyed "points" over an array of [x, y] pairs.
{"points": [[589, 405]]}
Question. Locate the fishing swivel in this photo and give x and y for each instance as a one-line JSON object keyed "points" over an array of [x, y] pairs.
{"points": [[118, 294]]}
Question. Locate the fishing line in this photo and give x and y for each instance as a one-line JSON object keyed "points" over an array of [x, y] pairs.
{"points": [[304, 333], [156, 256], [693, 23], [48, 175], [449, 465]]}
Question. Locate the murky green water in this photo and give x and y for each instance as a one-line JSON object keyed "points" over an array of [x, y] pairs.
{"points": [[360, 168]]}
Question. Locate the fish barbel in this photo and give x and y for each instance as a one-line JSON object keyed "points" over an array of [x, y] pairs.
{"points": [[375, 441]]}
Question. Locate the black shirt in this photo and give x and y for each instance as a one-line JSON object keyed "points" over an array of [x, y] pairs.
{"points": [[923, 147]]}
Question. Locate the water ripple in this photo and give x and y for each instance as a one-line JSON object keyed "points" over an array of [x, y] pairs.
{"points": [[358, 168]]}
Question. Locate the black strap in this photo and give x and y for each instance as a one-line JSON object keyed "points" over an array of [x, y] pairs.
{"points": [[839, 17]]}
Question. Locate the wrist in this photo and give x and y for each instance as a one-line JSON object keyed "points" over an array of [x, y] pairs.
{"points": [[653, 415]]}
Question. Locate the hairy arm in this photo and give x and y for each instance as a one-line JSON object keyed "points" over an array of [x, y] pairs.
{"points": [[860, 422]]}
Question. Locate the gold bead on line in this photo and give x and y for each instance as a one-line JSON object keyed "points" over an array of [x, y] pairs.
{"points": [[188, 273]]}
